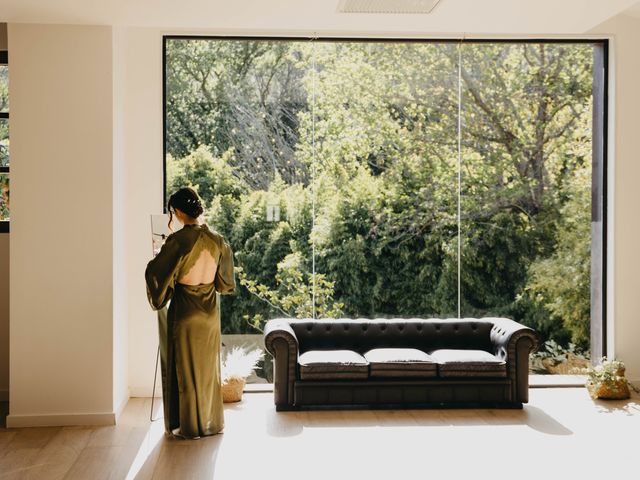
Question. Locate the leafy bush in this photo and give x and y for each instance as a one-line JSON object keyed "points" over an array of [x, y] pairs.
{"points": [[555, 358]]}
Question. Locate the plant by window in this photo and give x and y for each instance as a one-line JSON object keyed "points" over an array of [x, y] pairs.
{"points": [[607, 380], [239, 363], [555, 358]]}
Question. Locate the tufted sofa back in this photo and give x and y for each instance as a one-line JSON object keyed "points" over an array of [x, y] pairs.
{"points": [[363, 334]]}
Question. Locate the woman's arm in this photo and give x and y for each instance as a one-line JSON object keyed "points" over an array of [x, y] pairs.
{"points": [[161, 273], [225, 281]]}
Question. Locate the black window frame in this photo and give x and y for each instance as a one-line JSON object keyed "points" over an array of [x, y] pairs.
{"points": [[600, 160], [4, 224]]}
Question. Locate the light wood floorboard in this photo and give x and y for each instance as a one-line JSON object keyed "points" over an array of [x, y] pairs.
{"points": [[561, 433]]}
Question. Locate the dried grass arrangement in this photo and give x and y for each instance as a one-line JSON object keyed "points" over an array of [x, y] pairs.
{"points": [[237, 365]]}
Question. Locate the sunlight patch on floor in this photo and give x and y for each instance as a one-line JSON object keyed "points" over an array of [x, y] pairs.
{"points": [[151, 440]]}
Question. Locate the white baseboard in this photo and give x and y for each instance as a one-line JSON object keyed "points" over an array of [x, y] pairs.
{"points": [[145, 392], [4, 395], [60, 420], [120, 408]]}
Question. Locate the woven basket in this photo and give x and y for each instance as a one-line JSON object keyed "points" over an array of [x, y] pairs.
{"points": [[232, 390], [617, 390]]}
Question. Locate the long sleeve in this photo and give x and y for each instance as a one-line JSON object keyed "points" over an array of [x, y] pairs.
{"points": [[225, 281], [161, 273]]}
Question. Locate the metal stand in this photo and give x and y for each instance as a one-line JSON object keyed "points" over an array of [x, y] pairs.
{"points": [[153, 393], [161, 231]]}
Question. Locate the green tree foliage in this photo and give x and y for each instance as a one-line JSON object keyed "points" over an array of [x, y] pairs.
{"points": [[4, 142], [356, 144], [4, 88], [241, 96], [295, 292], [4, 197], [562, 282]]}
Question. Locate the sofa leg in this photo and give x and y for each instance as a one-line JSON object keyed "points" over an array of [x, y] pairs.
{"points": [[285, 408]]}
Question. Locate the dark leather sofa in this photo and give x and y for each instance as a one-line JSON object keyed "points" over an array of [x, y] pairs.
{"points": [[399, 363]]}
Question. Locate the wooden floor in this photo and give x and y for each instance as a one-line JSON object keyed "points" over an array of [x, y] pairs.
{"points": [[561, 433]]}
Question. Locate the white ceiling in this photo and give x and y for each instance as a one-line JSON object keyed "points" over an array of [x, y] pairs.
{"points": [[450, 17]]}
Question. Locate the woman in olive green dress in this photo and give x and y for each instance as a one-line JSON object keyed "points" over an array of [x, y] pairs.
{"points": [[193, 266]]}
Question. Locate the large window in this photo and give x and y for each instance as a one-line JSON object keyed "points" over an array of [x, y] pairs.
{"points": [[4, 141], [390, 178]]}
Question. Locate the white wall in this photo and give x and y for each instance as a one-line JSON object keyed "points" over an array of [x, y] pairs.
{"points": [[625, 165], [141, 58], [120, 283], [62, 270]]}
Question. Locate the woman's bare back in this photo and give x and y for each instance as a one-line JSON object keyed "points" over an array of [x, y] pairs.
{"points": [[203, 271]]}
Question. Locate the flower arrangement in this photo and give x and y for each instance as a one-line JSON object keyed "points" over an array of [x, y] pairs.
{"points": [[237, 365], [607, 380]]}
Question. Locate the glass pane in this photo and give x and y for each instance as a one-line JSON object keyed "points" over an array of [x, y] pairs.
{"points": [[4, 88], [386, 212], [235, 131], [526, 192], [4, 142], [4, 196], [332, 169]]}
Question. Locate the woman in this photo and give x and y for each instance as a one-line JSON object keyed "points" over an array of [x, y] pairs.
{"points": [[192, 267]]}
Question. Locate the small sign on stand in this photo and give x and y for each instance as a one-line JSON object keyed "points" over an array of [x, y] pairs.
{"points": [[160, 230]]}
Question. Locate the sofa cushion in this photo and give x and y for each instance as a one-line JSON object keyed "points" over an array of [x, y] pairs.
{"points": [[468, 363], [332, 364], [400, 362]]}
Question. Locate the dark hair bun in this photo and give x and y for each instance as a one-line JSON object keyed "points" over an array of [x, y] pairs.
{"points": [[186, 199]]}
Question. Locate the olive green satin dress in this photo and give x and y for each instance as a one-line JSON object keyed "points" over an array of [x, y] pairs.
{"points": [[190, 329]]}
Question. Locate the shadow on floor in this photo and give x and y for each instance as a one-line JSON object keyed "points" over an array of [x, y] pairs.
{"points": [[288, 424], [630, 407]]}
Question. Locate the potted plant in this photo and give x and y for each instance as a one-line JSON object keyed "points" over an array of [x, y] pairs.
{"points": [[237, 365], [607, 380]]}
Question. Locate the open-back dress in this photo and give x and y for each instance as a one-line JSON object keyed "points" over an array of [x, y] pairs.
{"points": [[190, 329]]}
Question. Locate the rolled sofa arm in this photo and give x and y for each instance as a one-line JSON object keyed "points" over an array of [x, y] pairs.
{"points": [[513, 342], [281, 342]]}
